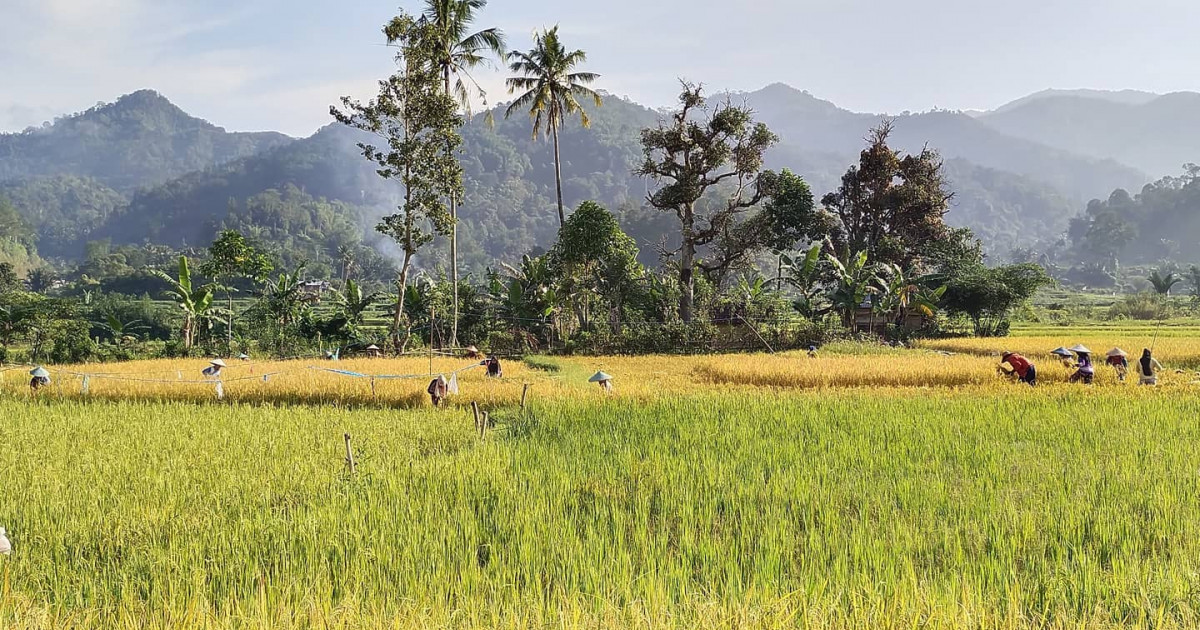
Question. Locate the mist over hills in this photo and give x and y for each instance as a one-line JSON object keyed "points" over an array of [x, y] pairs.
{"points": [[140, 170], [1156, 135]]}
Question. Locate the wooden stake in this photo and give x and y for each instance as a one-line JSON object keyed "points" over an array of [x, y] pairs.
{"points": [[475, 410], [483, 426], [524, 393], [349, 454]]}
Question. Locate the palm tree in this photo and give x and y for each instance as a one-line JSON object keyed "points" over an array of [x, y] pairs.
{"points": [[1164, 283], [549, 88], [195, 302], [460, 52]]}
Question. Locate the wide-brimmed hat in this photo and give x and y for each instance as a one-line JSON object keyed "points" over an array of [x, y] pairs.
{"points": [[39, 372], [472, 349], [372, 347], [1116, 352], [1061, 351], [600, 377], [243, 356], [217, 362], [1080, 349]]}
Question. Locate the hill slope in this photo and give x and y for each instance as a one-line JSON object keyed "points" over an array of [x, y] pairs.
{"points": [[141, 139], [1157, 136]]}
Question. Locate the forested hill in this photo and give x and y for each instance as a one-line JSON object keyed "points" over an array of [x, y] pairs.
{"points": [[141, 139], [816, 125], [1157, 136], [1008, 189]]}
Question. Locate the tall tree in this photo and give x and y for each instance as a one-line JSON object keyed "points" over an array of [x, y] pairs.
{"points": [[549, 86], [419, 123], [888, 205], [594, 258], [230, 258], [693, 153], [459, 52]]}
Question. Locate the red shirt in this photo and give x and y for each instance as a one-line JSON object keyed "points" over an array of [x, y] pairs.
{"points": [[1019, 364]]}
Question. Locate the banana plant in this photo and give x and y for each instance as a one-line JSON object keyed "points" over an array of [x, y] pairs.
{"points": [[195, 302], [804, 274], [854, 281]]}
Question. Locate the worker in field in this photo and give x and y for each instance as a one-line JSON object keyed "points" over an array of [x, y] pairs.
{"points": [[1119, 360], [473, 352], [1085, 372], [493, 367], [1064, 356], [1148, 368], [1021, 367], [214, 369], [603, 380], [40, 378], [437, 390]]}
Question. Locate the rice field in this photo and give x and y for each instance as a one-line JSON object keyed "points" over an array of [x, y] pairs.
{"points": [[864, 488]]}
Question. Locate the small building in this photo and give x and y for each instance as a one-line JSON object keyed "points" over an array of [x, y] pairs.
{"points": [[314, 290]]}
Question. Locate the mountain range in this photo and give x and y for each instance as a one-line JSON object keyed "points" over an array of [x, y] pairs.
{"points": [[140, 170]]}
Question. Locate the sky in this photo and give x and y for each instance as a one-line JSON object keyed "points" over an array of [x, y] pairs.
{"points": [[251, 65]]}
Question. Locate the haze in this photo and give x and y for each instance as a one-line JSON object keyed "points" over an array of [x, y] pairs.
{"points": [[277, 64]]}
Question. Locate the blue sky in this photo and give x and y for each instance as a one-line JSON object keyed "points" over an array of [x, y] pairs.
{"points": [[278, 64]]}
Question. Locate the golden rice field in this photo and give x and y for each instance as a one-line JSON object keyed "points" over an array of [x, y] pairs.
{"points": [[864, 488]]}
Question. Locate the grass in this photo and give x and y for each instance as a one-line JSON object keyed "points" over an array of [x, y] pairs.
{"points": [[893, 490]]}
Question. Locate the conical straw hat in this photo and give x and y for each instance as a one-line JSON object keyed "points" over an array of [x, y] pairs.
{"points": [[1081, 349], [1061, 351], [1116, 352], [217, 362], [600, 377], [39, 372]]}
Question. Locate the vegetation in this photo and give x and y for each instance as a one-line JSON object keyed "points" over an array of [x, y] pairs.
{"points": [[548, 86], [604, 510]]}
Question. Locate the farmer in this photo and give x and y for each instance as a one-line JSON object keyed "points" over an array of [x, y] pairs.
{"points": [[493, 367], [437, 390], [1083, 368], [1064, 356], [812, 352], [1022, 368], [214, 369], [472, 352], [1120, 361], [1148, 368], [41, 378], [604, 380]]}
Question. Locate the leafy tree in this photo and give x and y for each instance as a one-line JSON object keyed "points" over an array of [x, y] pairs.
{"points": [[232, 257], [549, 86], [41, 279], [888, 205], [988, 295], [419, 122], [1163, 283], [8, 278], [1193, 280], [593, 257], [195, 302], [459, 52], [695, 153], [788, 218]]}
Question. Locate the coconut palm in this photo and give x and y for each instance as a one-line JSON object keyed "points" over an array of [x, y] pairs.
{"points": [[459, 53], [549, 87]]}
